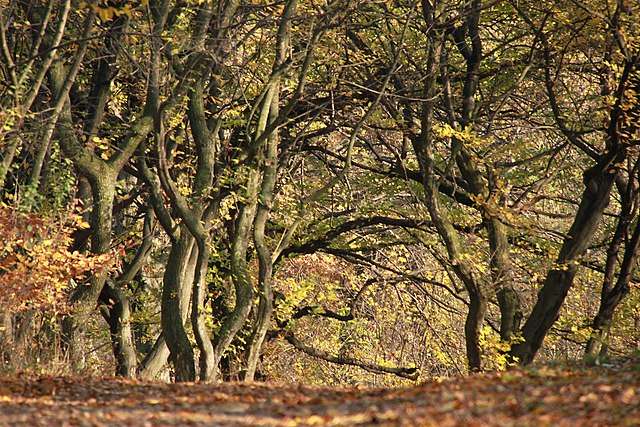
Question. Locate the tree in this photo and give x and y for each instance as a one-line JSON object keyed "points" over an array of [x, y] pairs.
{"points": [[292, 184]]}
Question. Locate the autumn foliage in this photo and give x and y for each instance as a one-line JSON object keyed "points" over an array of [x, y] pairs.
{"points": [[329, 193], [36, 263], [549, 396]]}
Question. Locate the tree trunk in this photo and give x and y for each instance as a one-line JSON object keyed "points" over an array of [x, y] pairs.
{"points": [[118, 316], [551, 296], [6, 337], [610, 299], [271, 109], [473, 327], [181, 352], [502, 275], [9, 150], [239, 272], [203, 340], [159, 353], [155, 360], [85, 297]]}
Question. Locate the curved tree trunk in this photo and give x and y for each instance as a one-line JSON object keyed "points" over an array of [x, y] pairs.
{"points": [[559, 280], [154, 360], [265, 262], [239, 272], [207, 360], [117, 313], [85, 297], [265, 199], [611, 298], [159, 354], [502, 275], [181, 353], [472, 328], [598, 181]]}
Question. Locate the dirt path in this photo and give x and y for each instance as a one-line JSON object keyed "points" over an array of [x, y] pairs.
{"points": [[567, 397]]}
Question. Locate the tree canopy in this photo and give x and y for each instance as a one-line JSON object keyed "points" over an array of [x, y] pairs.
{"points": [[329, 192]]}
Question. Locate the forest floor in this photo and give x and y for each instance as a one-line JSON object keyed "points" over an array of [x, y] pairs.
{"points": [[562, 396]]}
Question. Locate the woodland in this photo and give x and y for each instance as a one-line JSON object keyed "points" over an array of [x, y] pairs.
{"points": [[335, 193]]}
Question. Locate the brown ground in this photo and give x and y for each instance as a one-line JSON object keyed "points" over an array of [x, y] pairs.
{"points": [[546, 396]]}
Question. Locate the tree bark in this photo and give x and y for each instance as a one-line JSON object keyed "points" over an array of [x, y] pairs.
{"points": [[159, 354], [239, 271], [117, 313], [611, 298], [207, 359], [551, 296], [265, 198], [181, 353]]}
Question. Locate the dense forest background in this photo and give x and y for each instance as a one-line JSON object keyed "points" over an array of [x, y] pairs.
{"points": [[318, 191]]}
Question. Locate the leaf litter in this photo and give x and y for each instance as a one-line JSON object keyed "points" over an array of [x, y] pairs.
{"points": [[546, 396]]}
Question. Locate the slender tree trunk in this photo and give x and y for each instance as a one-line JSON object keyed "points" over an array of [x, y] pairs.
{"points": [[502, 275], [8, 153], [194, 217], [545, 312], [423, 146], [239, 272], [181, 352], [159, 354], [6, 337], [265, 261], [473, 327], [207, 358], [611, 298], [271, 108], [118, 315], [263, 320], [61, 98]]}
